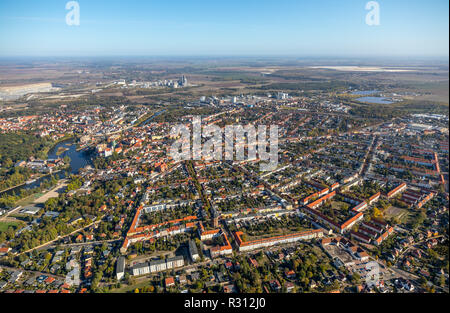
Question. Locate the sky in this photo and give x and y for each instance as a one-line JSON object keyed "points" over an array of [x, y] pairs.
{"points": [[407, 28]]}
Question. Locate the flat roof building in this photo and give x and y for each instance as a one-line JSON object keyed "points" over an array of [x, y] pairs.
{"points": [[193, 251], [120, 267]]}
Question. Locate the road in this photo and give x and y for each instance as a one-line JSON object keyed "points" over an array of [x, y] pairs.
{"points": [[89, 243], [10, 212], [59, 237], [35, 272]]}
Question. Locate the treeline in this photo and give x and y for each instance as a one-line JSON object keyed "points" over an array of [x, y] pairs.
{"points": [[325, 86], [13, 177], [20, 146], [7, 200], [16, 147], [383, 111]]}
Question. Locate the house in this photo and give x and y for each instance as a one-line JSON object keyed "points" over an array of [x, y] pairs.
{"points": [[3, 284], [49, 280], [290, 274], [4, 250], [75, 220], [229, 288], [362, 256], [195, 276], [417, 253], [75, 250], [221, 277], [359, 236], [407, 285], [193, 251], [15, 276], [41, 278], [289, 286], [169, 282], [79, 238], [342, 278], [182, 279], [144, 268], [254, 262], [424, 272], [396, 190], [275, 285], [31, 210], [228, 265]]}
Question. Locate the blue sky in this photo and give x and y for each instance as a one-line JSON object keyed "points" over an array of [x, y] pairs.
{"points": [[233, 27]]}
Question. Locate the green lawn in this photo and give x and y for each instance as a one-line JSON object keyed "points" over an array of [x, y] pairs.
{"points": [[29, 200], [4, 225], [126, 288], [401, 214], [339, 205]]}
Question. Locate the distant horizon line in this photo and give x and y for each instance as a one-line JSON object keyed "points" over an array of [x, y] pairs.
{"points": [[232, 56]]}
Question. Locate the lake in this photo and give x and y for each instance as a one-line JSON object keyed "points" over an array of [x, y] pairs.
{"points": [[375, 100], [78, 159]]}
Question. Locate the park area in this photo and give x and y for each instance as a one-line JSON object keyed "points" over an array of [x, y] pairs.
{"points": [[273, 227], [394, 212], [338, 211]]}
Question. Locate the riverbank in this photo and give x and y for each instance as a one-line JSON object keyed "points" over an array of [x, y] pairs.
{"points": [[61, 150], [46, 152], [57, 142], [78, 159], [36, 178], [148, 117]]}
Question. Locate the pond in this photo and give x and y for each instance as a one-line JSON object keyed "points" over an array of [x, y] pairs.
{"points": [[375, 100]]}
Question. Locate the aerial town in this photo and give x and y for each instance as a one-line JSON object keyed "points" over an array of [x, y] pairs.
{"points": [[355, 204], [226, 156]]}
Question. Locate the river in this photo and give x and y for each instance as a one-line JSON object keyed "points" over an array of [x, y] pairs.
{"points": [[78, 159], [153, 116]]}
